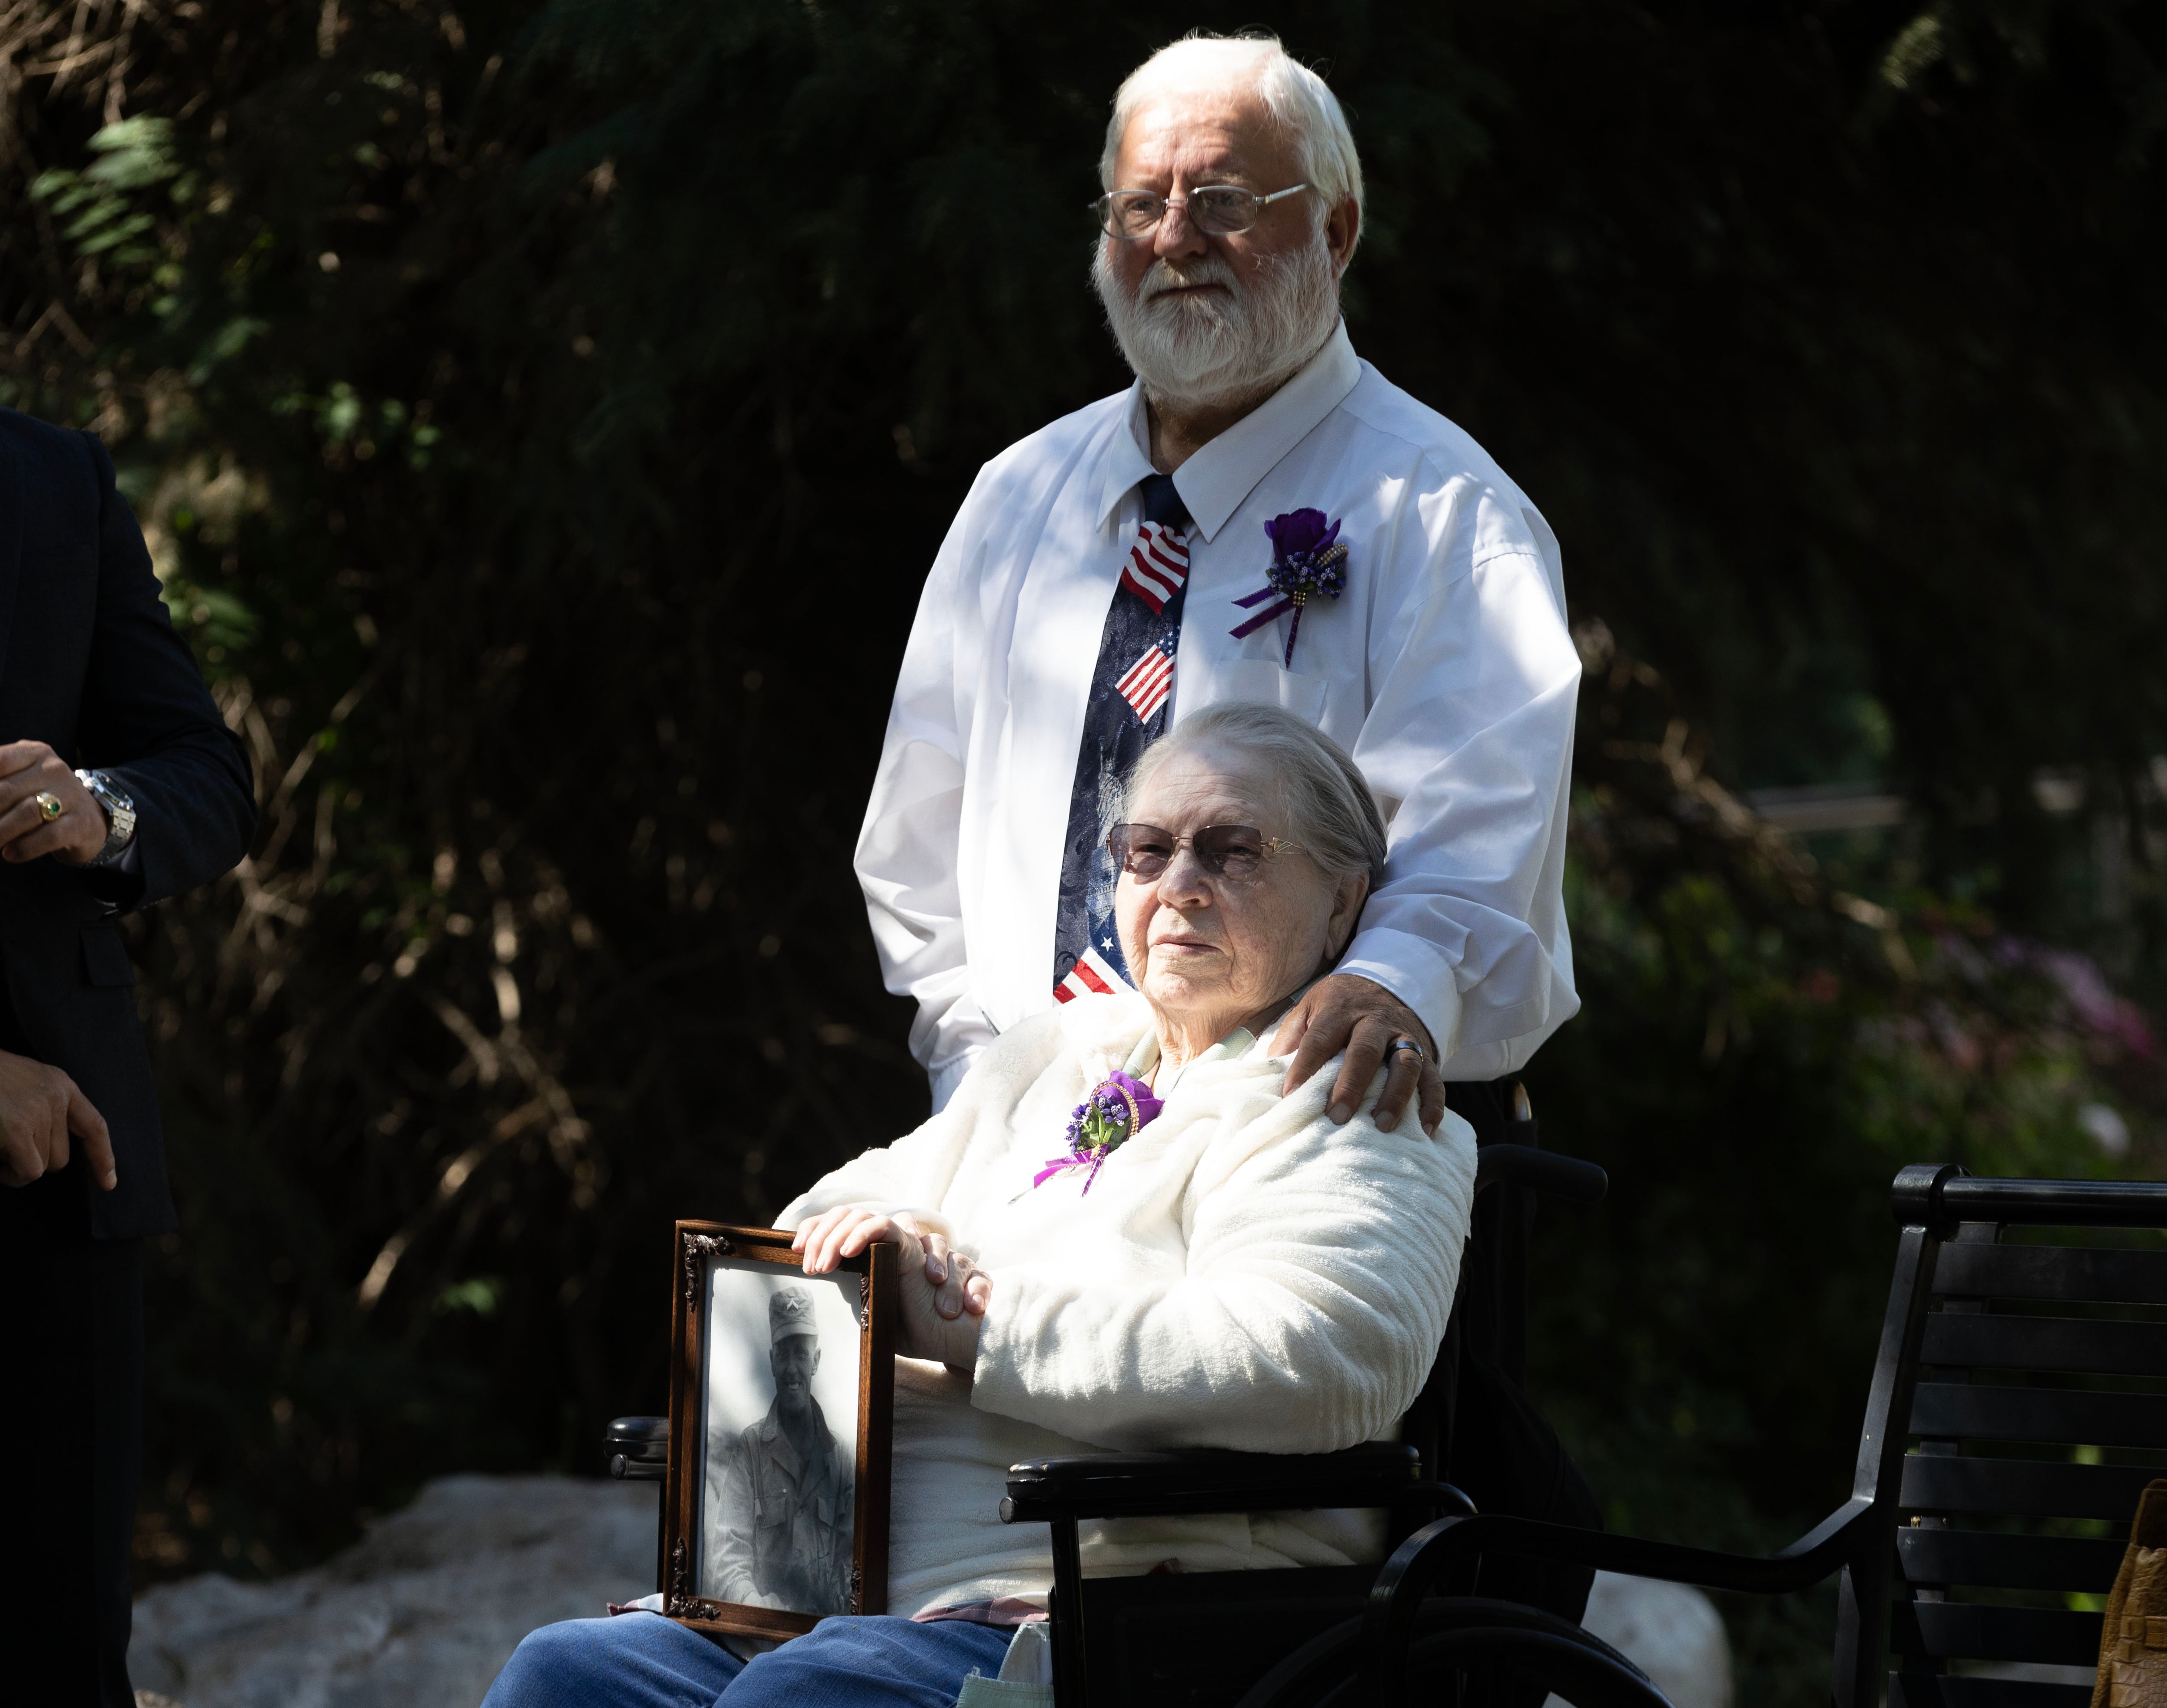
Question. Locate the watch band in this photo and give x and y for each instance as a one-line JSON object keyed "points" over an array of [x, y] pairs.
{"points": [[119, 816]]}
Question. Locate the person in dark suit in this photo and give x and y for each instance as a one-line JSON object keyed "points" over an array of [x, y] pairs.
{"points": [[120, 786]]}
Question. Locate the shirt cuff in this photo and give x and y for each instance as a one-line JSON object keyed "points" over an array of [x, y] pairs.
{"points": [[1416, 972]]}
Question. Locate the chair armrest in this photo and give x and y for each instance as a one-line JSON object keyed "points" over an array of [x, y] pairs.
{"points": [[1429, 1553], [638, 1448], [1147, 1485], [1567, 1177]]}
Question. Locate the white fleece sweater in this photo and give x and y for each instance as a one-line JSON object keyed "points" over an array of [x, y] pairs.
{"points": [[1242, 1274]]}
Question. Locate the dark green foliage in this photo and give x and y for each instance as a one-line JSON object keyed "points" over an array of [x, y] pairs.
{"points": [[544, 415]]}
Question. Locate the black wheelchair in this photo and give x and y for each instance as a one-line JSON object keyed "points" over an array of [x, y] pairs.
{"points": [[1288, 1637]]}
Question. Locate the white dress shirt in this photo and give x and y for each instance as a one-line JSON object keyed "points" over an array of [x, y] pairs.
{"points": [[1445, 669]]}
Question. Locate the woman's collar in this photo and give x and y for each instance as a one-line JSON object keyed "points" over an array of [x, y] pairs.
{"points": [[1144, 1057]]}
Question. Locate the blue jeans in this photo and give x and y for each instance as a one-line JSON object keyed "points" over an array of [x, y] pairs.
{"points": [[642, 1660]]}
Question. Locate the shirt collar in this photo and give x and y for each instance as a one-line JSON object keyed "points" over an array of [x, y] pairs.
{"points": [[1214, 482], [1127, 459]]}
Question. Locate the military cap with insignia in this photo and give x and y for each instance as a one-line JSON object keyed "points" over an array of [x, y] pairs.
{"points": [[789, 1311]]}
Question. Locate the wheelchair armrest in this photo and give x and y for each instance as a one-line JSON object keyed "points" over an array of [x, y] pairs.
{"points": [[638, 1449], [1553, 1172], [1142, 1485]]}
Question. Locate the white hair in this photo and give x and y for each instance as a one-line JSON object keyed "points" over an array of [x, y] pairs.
{"points": [[1192, 350], [1299, 101], [1328, 802]]}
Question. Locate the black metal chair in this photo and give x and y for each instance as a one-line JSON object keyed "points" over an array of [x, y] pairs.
{"points": [[1133, 1641], [2018, 1407]]}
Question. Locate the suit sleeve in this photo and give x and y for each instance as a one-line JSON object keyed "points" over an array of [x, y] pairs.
{"points": [[149, 722]]}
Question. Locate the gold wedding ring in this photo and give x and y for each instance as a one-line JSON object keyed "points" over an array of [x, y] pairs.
{"points": [[49, 805]]}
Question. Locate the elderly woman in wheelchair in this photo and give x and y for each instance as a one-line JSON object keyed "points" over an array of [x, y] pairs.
{"points": [[1119, 1233]]}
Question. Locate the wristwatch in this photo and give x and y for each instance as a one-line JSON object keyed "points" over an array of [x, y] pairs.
{"points": [[119, 816]]}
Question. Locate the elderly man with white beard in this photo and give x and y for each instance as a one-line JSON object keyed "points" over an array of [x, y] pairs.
{"points": [[1261, 517]]}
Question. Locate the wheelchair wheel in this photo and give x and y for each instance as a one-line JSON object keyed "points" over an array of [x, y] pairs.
{"points": [[1466, 1651]]}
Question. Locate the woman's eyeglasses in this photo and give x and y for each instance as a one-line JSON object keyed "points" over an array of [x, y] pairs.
{"points": [[1235, 852], [1217, 211]]}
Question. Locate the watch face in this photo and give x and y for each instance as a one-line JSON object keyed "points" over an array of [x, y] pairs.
{"points": [[101, 786]]}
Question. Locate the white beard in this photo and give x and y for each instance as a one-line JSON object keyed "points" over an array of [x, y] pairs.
{"points": [[1218, 349]]}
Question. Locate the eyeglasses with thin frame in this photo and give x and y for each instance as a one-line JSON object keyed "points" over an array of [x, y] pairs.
{"points": [[1217, 211], [1234, 852]]}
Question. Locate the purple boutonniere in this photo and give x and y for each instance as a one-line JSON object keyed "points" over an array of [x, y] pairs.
{"points": [[1307, 560], [1120, 1107]]}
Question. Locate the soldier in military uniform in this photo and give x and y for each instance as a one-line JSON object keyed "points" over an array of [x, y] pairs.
{"points": [[783, 1490]]}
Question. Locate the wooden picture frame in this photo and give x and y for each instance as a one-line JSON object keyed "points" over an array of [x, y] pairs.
{"points": [[741, 1303]]}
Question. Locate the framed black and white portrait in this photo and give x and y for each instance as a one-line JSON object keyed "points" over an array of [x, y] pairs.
{"points": [[781, 1405]]}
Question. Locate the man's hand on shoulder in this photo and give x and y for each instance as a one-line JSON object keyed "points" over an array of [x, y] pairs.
{"points": [[1348, 1012], [28, 827], [40, 1106]]}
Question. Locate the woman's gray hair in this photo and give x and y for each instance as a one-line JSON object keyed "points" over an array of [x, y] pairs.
{"points": [[1330, 811], [1298, 100]]}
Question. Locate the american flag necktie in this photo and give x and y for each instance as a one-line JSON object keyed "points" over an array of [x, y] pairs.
{"points": [[1158, 562], [1131, 687]]}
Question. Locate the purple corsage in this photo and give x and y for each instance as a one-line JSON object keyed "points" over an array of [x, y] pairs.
{"points": [[1307, 560], [1116, 1111]]}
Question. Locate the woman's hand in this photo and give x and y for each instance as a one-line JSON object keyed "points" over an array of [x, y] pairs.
{"points": [[840, 1233], [945, 1294]]}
